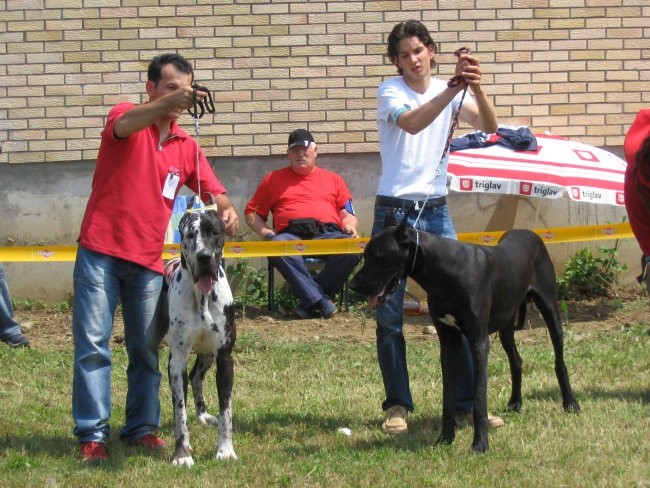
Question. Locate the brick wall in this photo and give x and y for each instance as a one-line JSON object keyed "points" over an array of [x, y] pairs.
{"points": [[578, 68]]}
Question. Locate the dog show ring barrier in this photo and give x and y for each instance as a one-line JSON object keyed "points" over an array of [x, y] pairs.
{"points": [[255, 249]]}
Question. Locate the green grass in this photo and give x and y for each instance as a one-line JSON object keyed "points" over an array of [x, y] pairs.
{"points": [[291, 397]]}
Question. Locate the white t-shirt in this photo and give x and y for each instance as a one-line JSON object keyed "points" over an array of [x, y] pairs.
{"points": [[409, 162]]}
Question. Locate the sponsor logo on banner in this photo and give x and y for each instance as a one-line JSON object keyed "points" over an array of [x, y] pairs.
{"points": [[173, 251], [361, 245], [575, 193], [487, 238], [487, 186], [46, 253], [525, 188], [608, 231], [237, 249], [548, 235], [545, 191], [466, 184], [300, 247], [591, 195], [620, 198]]}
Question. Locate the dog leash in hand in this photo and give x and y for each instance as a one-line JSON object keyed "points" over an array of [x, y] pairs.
{"points": [[196, 115], [454, 81]]}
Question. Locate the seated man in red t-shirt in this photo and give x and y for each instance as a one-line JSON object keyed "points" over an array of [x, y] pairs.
{"points": [[637, 185], [307, 202]]}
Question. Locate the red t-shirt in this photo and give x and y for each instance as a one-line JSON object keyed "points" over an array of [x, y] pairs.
{"points": [[288, 195], [637, 181], [134, 187]]}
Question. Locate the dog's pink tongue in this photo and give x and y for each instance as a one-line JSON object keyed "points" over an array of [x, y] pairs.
{"points": [[205, 283]]}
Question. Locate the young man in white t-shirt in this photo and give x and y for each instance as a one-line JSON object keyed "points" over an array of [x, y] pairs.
{"points": [[415, 113]]}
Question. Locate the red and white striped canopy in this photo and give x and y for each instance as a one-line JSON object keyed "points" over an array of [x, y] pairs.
{"points": [[558, 166]]}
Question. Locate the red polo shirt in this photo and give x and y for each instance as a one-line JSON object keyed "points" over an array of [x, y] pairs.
{"points": [[133, 190], [637, 181]]}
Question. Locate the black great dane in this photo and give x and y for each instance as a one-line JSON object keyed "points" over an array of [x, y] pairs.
{"points": [[472, 290], [201, 319]]}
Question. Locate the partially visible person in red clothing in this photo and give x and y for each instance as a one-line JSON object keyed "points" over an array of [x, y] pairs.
{"points": [[637, 186], [144, 159], [307, 202]]}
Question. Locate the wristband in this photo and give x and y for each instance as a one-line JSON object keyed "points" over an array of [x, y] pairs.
{"points": [[269, 236]]}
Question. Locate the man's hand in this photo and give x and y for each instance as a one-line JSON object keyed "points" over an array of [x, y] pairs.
{"points": [[468, 67], [181, 99], [230, 218]]}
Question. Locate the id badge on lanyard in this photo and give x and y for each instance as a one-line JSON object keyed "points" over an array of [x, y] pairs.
{"points": [[171, 183]]}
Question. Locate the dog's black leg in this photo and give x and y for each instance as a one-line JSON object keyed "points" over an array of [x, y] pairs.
{"points": [[197, 378], [480, 350], [450, 350], [550, 311], [507, 337]]}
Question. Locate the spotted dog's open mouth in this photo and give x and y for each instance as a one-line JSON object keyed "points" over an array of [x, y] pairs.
{"points": [[205, 282]]}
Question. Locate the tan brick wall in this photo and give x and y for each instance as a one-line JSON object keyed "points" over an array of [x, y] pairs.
{"points": [[578, 68]]}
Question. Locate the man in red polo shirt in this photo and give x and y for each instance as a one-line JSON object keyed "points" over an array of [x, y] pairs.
{"points": [[307, 202], [637, 185], [143, 161]]}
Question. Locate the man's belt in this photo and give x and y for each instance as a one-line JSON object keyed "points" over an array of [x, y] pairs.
{"points": [[406, 204]]}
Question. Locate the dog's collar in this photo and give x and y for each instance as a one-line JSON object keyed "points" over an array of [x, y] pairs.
{"points": [[202, 209]]}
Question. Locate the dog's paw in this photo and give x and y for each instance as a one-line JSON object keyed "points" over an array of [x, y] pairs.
{"points": [[183, 457], [205, 418], [226, 452], [183, 461]]}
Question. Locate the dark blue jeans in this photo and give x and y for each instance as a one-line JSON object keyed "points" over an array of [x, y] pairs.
{"points": [[310, 290], [391, 346]]}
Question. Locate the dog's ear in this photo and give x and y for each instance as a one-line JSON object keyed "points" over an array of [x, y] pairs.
{"points": [[190, 204], [211, 197], [390, 220], [400, 232]]}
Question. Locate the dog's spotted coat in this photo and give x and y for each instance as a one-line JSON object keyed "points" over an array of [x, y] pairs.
{"points": [[201, 320]]}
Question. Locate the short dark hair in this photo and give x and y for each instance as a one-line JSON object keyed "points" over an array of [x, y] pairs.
{"points": [[154, 72], [406, 29]]}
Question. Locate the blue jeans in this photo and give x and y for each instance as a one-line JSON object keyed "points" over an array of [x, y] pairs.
{"points": [[310, 290], [8, 325], [391, 346], [100, 281]]}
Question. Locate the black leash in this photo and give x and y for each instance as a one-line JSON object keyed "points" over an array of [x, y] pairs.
{"points": [[198, 104], [196, 115]]}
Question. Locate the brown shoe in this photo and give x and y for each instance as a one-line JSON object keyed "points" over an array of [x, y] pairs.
{"points": [[465, 419], [495, 422], [395, 423]]}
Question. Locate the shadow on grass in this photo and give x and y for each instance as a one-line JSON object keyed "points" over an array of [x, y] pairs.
{"points": [[33, 446], [591, 393]]}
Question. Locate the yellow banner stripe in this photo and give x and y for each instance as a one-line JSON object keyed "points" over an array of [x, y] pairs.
{"points": [[256, 249]]}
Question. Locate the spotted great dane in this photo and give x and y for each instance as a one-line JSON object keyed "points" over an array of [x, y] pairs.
{"points": [[472, 290], [201, 320]]}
